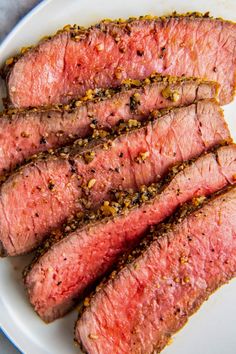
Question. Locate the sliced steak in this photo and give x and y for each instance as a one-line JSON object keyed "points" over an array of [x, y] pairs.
{"points": [[75, 59], [152, 297], [59, 277], [25, 133], [48, 190]]}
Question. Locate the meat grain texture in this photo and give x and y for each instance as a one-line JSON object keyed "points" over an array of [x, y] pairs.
{"points": [[51, 189], [75, 59], [151, 298], [24, 133], [60, 276]]}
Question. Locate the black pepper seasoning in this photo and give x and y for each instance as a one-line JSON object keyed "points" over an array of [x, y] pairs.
{"points": [[43, 140], [134, 102], [51, 185], [140, 53]]}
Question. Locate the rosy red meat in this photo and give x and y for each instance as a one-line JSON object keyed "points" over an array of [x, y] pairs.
{"points": [[59, 277], [41, 195], [25, 133], [151, 298], [76, 60]]}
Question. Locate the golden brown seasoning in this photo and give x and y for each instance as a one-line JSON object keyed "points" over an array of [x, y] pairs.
{"points": [[142, 157], [171, 94], [25, 135], [183, 259], [93, 336], [86, 302], [9, 61], [107, 209], [88, 156], [91, 183]]}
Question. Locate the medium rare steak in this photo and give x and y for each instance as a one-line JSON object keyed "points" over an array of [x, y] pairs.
{"points": [[59, 277], [152, 297], [78, 59], [25, 133], [42, 194]]}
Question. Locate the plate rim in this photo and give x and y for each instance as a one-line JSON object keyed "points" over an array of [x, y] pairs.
{"points": [[37, 8], [5, 334], [22, 22], [5, 328]]}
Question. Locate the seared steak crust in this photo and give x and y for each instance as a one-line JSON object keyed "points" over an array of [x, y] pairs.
{"points": [[50, 189], [24, 133], [152, 297], [89, 252], [76, 59]]}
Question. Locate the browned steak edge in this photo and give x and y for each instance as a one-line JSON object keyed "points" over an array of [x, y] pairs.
{"points": [[92, 217], [102, 94], [79, 30], [70, 153], [159, 231], [81, 146]]}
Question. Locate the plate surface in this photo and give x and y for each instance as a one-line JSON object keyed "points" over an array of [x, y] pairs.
{"points": [[212, 330]]}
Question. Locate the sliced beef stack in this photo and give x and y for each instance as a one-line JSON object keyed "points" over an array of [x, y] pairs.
{"points": [[97, 175], [78, 59], [24, 133], [59, 184], [56, 279], [152, 297]]}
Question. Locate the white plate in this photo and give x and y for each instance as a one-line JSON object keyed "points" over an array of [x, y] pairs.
{"points": [[212, 330]]}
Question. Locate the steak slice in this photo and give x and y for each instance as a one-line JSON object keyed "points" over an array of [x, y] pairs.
{"points": [[50, 189], [59, 277], [75, 59], [152, 297], [24, 133]]}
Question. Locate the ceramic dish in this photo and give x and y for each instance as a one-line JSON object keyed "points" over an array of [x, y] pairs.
{"points": [[212, 330]]}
